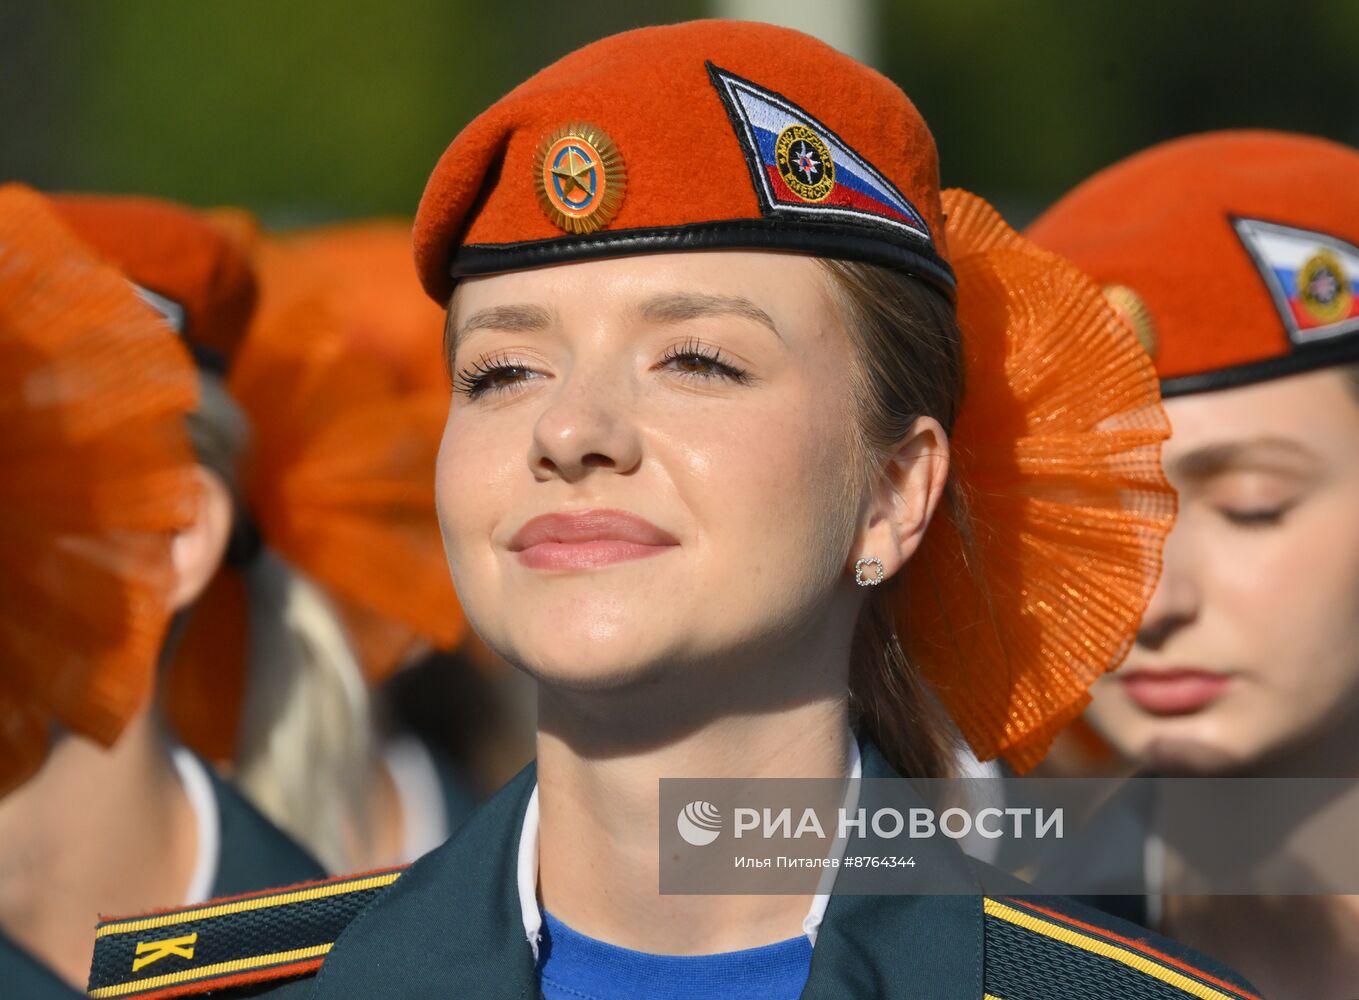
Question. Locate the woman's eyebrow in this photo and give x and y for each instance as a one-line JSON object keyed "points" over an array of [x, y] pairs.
{"points": [[519, 318], [1272, 454], [681, 306]]}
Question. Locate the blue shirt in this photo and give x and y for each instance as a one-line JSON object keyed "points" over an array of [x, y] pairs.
{"points": [[575, 967]]}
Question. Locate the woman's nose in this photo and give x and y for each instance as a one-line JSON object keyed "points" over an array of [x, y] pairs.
{"points": [[587, 424], [1175, 602]]}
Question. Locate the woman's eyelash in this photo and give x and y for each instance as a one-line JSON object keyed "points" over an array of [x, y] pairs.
{"points": [[1255, 518], [718, 366], [489, 374], [498, 372]]}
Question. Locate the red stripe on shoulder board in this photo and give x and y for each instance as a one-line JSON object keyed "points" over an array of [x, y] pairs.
{"points": [[236, 979], [256, 894], [1141, 946]]}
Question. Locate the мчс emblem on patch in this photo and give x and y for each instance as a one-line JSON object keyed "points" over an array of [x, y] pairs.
{"points": [[802, 169], [1323, 288], [1133, 311], [580, 178], [804, 163]]}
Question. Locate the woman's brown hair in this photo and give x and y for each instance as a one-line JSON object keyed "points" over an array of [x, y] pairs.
{"points": [[1352, 377], [909, 364]]}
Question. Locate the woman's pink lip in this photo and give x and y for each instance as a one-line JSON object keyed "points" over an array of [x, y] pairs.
{"points": [[589, 538], [1174, 690], [584, 555]]}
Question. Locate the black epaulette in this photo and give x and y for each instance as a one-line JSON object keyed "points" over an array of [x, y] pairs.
{"points": [[255, 938], [1036, 951]]}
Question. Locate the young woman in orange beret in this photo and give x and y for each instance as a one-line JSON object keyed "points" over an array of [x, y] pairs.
{"points": [[708, 327], [1235, 255], [319, 562], [116, 513]]}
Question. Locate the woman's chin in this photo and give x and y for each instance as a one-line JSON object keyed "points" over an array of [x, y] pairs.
{"points": [[584, 663], [1208, 745], [1190, 757]]}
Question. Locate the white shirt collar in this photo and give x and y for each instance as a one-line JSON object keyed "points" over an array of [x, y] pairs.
{"points": [[193, 777], [527, 869], [528, 874], [415, 777]]}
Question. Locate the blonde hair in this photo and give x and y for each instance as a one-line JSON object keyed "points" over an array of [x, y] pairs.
{"points": [[304, 745], [909, 363]]}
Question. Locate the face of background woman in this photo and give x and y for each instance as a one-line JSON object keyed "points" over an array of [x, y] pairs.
{"points": [[646, 462], [1250, 647]]}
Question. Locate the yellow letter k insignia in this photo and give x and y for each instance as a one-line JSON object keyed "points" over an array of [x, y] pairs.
{"points": [[154, 951]]}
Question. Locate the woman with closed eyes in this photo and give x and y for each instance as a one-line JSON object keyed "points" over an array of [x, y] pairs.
{"points": [[1239, 275]]}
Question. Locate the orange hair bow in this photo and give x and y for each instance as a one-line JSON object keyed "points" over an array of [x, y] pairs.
{"points": [[96, 476]]}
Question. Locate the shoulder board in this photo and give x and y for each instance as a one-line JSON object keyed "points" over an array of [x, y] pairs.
{"points": [[1035, 951], [251, 939]]}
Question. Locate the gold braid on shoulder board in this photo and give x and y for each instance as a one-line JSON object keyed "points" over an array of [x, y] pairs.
{"points": [[255, 938]]}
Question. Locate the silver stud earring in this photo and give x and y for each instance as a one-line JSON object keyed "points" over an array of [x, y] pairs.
{"points": [[873, 561]]}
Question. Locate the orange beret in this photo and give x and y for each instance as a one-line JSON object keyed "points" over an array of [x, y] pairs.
{"points": [[712, 134], [196, 274], [1235, 255]]}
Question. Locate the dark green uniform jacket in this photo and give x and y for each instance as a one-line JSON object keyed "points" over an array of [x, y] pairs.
{"points": [[450, 926], [254, 854]]}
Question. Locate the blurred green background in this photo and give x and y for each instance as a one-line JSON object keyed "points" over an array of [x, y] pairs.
{"points": [[307, 111]]}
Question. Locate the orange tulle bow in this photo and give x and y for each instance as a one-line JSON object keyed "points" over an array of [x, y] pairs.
{"points": [[340, 479], [364, 270], [96, 476], [1057, 447], [345, 381]]}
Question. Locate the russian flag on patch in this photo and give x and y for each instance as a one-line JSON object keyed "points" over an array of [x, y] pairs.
{"points": [[1311, 278], [803, 168]]}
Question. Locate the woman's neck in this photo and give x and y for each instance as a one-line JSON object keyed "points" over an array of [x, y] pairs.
{"points": [[1290, 947], [94, 832], [1331, 753], [598, 790]]}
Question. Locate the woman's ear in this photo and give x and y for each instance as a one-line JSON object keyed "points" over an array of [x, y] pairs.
{"points": [[905, 496], [197, 551]]}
